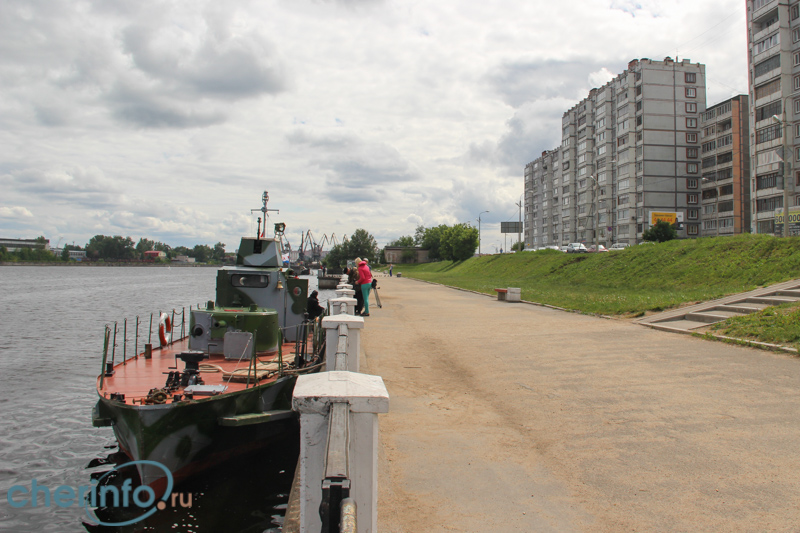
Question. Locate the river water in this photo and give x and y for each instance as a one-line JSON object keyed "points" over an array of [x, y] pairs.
{"points": [[51, 341]]}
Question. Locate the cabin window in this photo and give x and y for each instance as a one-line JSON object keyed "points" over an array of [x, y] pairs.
{"points": [[249, 280]]}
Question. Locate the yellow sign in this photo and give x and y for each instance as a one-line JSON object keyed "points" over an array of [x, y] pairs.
{"points": [[655, 216]]}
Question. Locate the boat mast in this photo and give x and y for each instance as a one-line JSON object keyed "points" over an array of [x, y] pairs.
{"points": [[264, 199]]}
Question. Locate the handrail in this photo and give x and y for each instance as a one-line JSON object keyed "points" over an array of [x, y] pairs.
{"points": [[336, 483]]}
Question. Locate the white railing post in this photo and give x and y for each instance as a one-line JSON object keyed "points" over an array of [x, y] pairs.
{"points": [[345, 293], [336, 305], [366, 396], [332, 325]]}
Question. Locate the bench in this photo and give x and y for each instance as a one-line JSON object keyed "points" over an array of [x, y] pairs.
{"points": [[511, 294]]}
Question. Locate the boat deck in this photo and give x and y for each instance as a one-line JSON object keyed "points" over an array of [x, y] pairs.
{"points": [[137, 376]]}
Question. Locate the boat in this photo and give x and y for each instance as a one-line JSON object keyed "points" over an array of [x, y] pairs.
{"points": [[225, 386]]}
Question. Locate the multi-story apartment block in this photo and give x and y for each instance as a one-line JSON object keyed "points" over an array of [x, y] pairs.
{"points": [[624, 159], [773, 30], [725, 167]]}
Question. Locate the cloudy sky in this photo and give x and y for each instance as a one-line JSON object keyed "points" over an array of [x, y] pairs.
{"points": [[168, 119]]}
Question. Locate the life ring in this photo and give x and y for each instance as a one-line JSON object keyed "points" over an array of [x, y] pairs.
{"points": [[164, 329]]}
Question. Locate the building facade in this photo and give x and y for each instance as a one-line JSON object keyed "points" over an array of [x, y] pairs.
{"points": [[628, 157], [725, 167], [773, 31]]}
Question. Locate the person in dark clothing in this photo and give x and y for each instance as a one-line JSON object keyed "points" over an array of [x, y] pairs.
{"points": [[313, 308], [352, 279]]}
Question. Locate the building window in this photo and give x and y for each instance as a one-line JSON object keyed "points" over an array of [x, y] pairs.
{"points": [[795, 35], [795, 13], [691, 122], [691, 107], [621, 141], [691, 229], [691, 183], [710, 146], [767, 65], [691, 168], [768, 134], [691, 137], [691, 214], [690, 77], [691, 92], [691, 198], [766, 111], [691, 153], [765, 44], [773, 86]]}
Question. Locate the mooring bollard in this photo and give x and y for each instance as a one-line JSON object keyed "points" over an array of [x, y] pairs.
{"points": [[352, 340]]}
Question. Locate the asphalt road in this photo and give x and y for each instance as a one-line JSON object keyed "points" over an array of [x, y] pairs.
{"points": [[513, 417]]}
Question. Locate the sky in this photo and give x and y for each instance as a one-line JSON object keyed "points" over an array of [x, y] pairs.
{"points": [[168, 119]]}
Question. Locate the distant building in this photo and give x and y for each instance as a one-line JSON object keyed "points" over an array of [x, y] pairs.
{"points": [[405, 254], [627, 159], [155, 254], [77, 255], [183, 259], [725, 181], [15, 245]]}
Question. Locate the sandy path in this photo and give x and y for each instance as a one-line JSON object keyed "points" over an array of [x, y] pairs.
{"points": [[512, 417]]}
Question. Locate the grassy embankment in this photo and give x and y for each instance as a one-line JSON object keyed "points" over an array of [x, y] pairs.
{"points": [[635, 280]]}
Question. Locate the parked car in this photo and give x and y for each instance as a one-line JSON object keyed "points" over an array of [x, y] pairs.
{"points": [[564, 248], [619, 246], [591, 249], [576, 248]]}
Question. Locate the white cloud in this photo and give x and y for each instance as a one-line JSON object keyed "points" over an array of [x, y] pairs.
{"points": [[166, 119], [15, 212]]}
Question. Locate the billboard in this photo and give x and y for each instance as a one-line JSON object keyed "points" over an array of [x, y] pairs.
{"points": [[794, 221], [667, 216], [511, 227]]}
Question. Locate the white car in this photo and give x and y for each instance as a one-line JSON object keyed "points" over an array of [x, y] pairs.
{"points": [[619, 246], [576, 248]]}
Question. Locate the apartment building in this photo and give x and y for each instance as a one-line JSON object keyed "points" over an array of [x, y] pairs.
{"points": [[628, 158], [725, 167], [773, 30]]}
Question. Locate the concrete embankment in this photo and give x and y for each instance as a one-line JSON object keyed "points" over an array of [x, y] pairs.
{"points": [[512, 417]]}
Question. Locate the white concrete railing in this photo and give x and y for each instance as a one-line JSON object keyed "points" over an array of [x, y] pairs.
{"points": [[339, 429]]}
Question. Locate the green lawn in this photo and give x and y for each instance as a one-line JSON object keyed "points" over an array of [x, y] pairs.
{"points": [[631, 281]]}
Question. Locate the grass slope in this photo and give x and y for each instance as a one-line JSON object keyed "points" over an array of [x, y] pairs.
{"points": [[631, 281]]}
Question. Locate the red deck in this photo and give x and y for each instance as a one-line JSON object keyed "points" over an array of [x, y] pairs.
{"points": [[137, 376]]}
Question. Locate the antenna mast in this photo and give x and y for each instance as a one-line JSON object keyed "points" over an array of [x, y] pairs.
{"points": [[264, 199]]}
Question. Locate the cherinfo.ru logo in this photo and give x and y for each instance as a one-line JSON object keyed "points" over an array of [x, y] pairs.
{"points": [[108, 496]]}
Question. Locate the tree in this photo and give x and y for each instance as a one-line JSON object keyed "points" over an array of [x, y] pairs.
{"points": [[518, 246], [404, 242], [661, 232], [459, 242], [431, 240], [117, 247], [363, 245], [201, 253], [218, 253], [144, 245]]}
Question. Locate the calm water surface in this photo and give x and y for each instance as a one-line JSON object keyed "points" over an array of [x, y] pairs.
{"points": [[51, 342]]}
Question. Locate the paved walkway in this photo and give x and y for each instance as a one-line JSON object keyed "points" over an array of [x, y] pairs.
{"points": [[513, 417]]}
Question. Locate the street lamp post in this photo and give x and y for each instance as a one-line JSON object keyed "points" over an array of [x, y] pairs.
{"points": [[479, 231], [596, 215], [787, 173]]}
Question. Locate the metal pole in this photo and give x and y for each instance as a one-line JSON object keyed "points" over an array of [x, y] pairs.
{"points": [[786, 172], [479, 231]]}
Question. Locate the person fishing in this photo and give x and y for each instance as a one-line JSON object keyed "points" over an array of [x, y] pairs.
{"points": [[313, 308]]}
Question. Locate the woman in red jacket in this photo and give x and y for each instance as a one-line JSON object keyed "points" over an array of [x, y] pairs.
{"points": [[365, 280]]}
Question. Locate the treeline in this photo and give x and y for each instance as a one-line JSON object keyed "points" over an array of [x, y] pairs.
{"points": [[116, 248], [444, 243], [360, 244]]}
